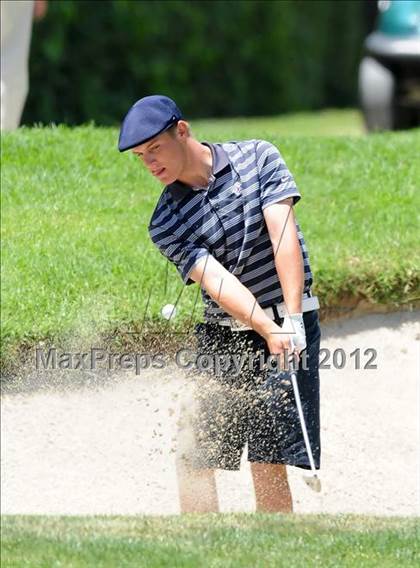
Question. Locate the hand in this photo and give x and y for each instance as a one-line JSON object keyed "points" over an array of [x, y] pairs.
{"points": [[288, 340], [294, 325], [279, 343]]}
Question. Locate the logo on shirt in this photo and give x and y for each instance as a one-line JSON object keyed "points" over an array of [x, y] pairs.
{"points": [[236, 188]]}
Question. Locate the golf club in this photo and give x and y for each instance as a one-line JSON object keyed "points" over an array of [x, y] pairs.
{"points": [[313, 480]]}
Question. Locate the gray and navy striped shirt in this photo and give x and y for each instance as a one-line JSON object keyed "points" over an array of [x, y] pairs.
{"points": [[225, 219]]}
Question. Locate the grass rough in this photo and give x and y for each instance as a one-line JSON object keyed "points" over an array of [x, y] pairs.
{"points": [[77, 261], [212, 540]]}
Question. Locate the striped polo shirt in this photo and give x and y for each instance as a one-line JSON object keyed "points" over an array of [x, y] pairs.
{"points": [[225, 220]]}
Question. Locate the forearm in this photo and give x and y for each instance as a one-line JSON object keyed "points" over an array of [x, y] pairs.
{"points": [[231, 295], [287, 253], [289, 266]]}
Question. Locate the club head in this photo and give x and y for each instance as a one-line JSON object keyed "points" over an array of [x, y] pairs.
{"points": [[313, 482]]}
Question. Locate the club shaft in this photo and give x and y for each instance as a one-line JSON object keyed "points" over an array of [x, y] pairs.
{"points": [[302, 421]]}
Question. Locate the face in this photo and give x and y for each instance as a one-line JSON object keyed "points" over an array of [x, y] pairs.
{"points": [[164, 155]]}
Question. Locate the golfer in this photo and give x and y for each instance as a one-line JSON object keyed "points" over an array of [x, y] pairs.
{"points": [[225, 219]]}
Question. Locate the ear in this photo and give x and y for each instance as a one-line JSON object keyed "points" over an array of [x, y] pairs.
{"points": [[183, 129]]}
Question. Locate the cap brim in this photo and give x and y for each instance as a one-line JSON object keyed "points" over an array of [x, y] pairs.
{"points": [[122, 148]]}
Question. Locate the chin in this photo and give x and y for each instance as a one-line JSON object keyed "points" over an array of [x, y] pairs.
{"points": [[168, 179]]}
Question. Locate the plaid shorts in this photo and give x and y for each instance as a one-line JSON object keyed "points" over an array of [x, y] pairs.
{"points": [[254, 405]]}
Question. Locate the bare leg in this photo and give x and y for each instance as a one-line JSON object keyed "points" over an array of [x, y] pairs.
{"points": [[272, 491], [197, 489]]}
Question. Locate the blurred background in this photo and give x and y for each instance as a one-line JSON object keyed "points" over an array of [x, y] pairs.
{"points": [[90, 60]]}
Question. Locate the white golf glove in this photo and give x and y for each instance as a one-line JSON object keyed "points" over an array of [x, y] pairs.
{"points": [[293, 325]]}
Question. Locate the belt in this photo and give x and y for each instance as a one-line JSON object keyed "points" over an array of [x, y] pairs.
{"points": [[277, 310]]}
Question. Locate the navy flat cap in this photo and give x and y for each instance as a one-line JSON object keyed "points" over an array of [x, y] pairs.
{"points": [[147, 118]]}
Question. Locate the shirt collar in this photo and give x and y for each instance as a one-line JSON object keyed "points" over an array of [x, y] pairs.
{"points": [[178, 189], [220, 158]]}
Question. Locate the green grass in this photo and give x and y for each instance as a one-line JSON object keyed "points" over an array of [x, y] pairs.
{"points": [[323, 123], [234, 540], [77, 261]]}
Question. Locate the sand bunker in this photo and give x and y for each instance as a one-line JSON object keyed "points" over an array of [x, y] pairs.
{"points": [[111, 449]]}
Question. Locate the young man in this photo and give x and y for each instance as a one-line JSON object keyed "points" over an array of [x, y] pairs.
{"points": [[225, 220]]}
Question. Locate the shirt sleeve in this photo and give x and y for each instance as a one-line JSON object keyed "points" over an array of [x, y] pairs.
{"points": [[276, 181], [182, 253]]}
